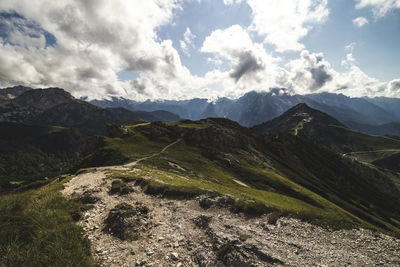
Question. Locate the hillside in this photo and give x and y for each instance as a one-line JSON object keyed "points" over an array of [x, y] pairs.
{"points": [[32, 155], [391, 162]]}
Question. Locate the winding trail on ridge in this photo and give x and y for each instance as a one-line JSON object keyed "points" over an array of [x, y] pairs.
{"points": [[152, 156]]}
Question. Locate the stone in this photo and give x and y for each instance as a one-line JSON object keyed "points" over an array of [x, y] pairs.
{"points": [[174, 256]]}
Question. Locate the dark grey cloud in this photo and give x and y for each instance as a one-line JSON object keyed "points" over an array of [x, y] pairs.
{"points": [[312, 71], [320, 76], [139, 87], [395, 84], [247, 64], [88, 73], [343, 87], [140, 64]]}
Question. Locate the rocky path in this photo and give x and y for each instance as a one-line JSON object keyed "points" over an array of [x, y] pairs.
{"points": [[182, 233]]}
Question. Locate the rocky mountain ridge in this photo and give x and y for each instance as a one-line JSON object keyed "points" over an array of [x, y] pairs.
{"points": [[372, 115]]}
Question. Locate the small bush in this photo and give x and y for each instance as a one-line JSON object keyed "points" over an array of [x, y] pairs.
{"points": [[223, 250], [126, 221], [274, 216], [250, 208], [244, 237], [173, 191]]}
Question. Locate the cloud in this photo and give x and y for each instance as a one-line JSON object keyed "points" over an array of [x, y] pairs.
{"points": [[379, 7], [231, 2], [310, 73], [235, 45], [188, 36], [356, 83], [20, 31], [251, 67], [184, 47], [285, 23], [360, 21], [187, 41], [350, 47], [247, 63], [393, 88], [349, 60]]}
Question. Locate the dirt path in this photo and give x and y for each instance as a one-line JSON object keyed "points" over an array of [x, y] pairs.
{"points": [[152, 156]]}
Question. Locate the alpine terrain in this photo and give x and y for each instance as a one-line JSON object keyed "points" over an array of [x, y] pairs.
{"points": [[83, 185]]}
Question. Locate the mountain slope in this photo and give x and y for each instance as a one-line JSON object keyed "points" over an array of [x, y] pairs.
{"points": [[12, 92], [300, 119], [29, 153], [309, 123], [391, 162], [285, 174]]}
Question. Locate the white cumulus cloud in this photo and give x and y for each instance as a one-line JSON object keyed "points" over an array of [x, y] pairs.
{"points": [[379, 7], [284, 23]]}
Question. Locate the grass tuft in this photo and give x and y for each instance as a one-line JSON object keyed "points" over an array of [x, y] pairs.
{"points": [[37, 229]]}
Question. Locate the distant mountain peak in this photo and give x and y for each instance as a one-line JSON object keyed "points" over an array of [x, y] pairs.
{"points": [[45, 98], [297, 119]]}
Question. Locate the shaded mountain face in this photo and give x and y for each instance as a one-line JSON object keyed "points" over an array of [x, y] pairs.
{"points": [[54, 106], [29, 153], [12, 92], [392, 128], [255, 108], [299, 120], [391, 162]]}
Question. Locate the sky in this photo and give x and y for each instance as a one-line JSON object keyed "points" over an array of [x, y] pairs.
{"points": [[182, 49]]}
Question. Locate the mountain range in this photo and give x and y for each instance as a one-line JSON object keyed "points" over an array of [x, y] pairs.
{"points": [[71, 171], [372, 115], [55, 106]]}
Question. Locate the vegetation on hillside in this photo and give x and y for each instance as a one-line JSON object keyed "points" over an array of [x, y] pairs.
{"points": [[31, 155], [37, 229]]}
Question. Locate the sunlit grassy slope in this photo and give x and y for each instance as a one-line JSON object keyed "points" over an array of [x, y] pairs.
{"points": [[251, 172]]}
